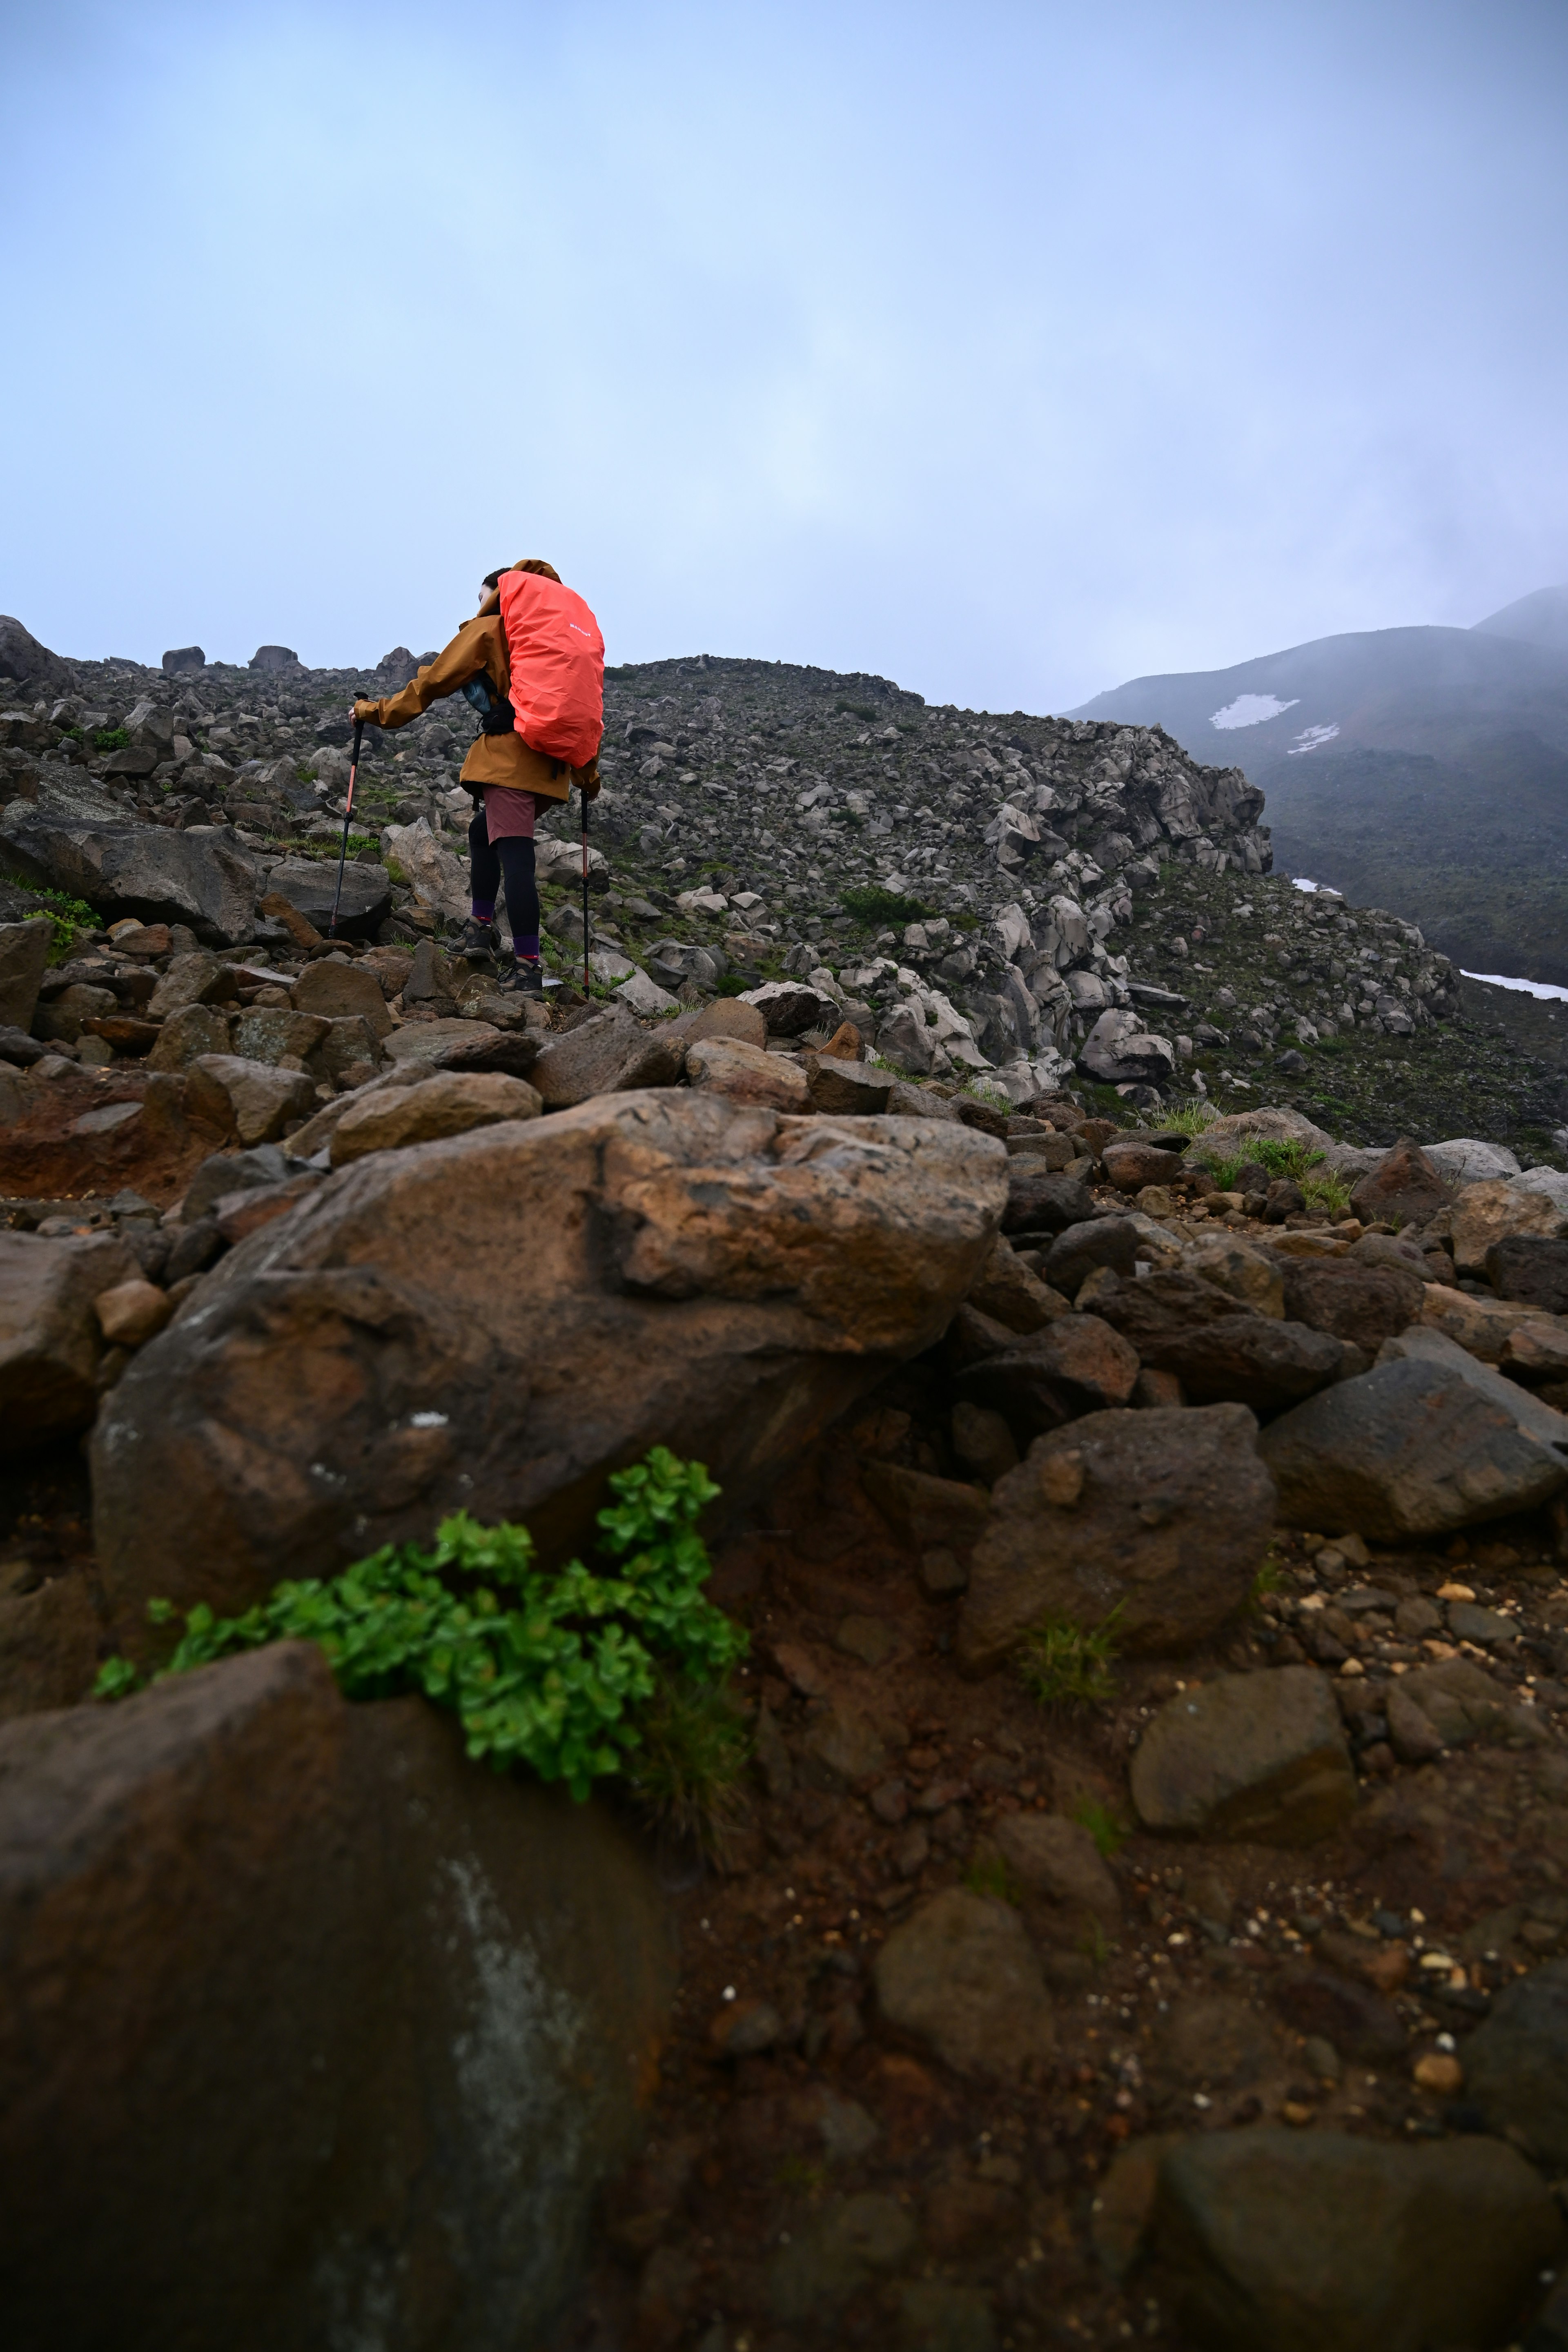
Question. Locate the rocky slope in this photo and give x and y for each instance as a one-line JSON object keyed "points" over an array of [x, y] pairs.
{"points": [[1145, 1917]]}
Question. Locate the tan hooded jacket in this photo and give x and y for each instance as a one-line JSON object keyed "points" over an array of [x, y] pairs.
{"points": [[479, 646]]}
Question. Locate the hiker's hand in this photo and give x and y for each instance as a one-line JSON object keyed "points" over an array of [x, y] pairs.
{"points": [[367, 714]]}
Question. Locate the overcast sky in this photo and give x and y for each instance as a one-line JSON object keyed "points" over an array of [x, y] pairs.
{"points": [[1009, 351]]}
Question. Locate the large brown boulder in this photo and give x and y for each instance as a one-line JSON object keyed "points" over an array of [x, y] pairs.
{"points": [[1258, 1755], [1161, 1517], [1248, 1358], [307, 2019], [1077, 1365], [496, 1321]]}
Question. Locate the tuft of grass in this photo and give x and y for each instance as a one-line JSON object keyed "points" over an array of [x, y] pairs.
{"points": [[687, 1776], [988, 1875], [1269, 1578], [1109, 1833], [1188, 1118], [71, 917], [1064, 1665]]}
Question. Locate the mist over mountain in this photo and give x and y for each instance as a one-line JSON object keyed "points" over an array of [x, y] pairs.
{"points": [[1423, 768]]}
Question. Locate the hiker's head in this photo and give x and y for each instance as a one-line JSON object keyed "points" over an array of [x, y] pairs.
{"points": [[529, 563]]}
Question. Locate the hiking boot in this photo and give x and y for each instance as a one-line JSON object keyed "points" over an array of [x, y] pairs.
{"points": [[522, 976], [480, 942]]}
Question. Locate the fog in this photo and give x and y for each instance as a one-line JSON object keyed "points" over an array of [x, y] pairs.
{"points": [[1010, 351]]}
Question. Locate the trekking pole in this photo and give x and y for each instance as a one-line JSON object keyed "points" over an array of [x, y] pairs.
{"points": [[582, 789], [348, 815]]}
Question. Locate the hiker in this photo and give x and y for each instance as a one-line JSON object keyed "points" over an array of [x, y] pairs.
{"points": [[507, 776]]}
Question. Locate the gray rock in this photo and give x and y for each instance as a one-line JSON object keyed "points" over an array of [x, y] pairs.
{"points": [[1259, 1360], [1531, 1269], [788, 1006], [1159, 1516], [329, 1929], [904, 1039], [64, 1016], [183, 659], [1463, 1704], [1058, 1861], [1467, 1160], [1516, 2064], [607, 1054], [273, 1033], [28, 663], [1077, 1364], [841, 1746], [49, 1339], [1260, 1756], [187, 1035], [250, 1100], [308, 884], [1039, 1201], [1074, 1254], [1321, 2242], [961, 1976], [1120, 1051], [846, 1086], [274, 657], [24, 958], [1530, 1414], [1408, 1449], [233, 1172], [202, 876]]}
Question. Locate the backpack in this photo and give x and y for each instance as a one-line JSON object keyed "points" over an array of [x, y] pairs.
{"points": [[557, 658], [496, 717]]}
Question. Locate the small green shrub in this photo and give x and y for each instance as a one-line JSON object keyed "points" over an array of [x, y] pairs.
{"points": [[871, 903], [1110, 1834], [564, 1680], [1064, 1665], [850, 709], [110, 738]]}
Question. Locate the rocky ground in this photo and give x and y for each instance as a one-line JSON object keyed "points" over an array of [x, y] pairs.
{"points": [[1145, 1918]]}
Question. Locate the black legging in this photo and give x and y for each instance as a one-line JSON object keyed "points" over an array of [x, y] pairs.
{"points": [[512, 858]]}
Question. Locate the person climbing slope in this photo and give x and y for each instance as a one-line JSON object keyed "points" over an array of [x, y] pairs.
{"points": [[532, 663]]}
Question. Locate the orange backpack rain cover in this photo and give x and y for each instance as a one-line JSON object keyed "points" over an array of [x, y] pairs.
{"points": [[557, 658]]}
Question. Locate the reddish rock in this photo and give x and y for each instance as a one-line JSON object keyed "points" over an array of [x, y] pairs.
{"points": [[51, 1337], [1254, 1359], [1406, 1187]]}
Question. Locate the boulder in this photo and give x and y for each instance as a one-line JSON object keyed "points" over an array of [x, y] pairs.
{"points": [[847, 1087], [1165, 1306], [202, 877], [1494, 1212], [50, 1339], [1120, 1051], [49, 1640], [1261, 1757], [1039, 1201], [310, 2019], [308, 884], [447, 1104], [186, 1035], [24, 958], [961, 1978], [1076, 1365], [437, 879], [1408, 1449], [1075, 1253], [1132, 1165], [1405, 1186], [1464, 1706], [606, 1055], [1531, 1269], [929, 1513], [747, 1073], [181, 658], [64, 1016], [1160, 1516], [1516, 2064], [337, 991], [1250, 1358], [1465, 1159], [788, 1006], [904, 1040], [271, 659], [663, 1269], [1320, 2241], [1355, 2019], [1006, 1290], [30, 665], [251, 1100], [1252, 1275], [274, 1035], [1481, 1328], [196, 978], [727, 1016], [1532, 1414], [1056, 1863], [1364, 1303]]}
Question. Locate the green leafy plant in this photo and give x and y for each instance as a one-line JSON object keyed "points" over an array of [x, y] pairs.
{"points": [[1064, 1665], [110, 738], [1109, 1833], [70, 917], [560, 1674]]}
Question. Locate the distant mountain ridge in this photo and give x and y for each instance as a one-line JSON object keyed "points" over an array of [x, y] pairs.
{"points": [[1425, 769]]}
